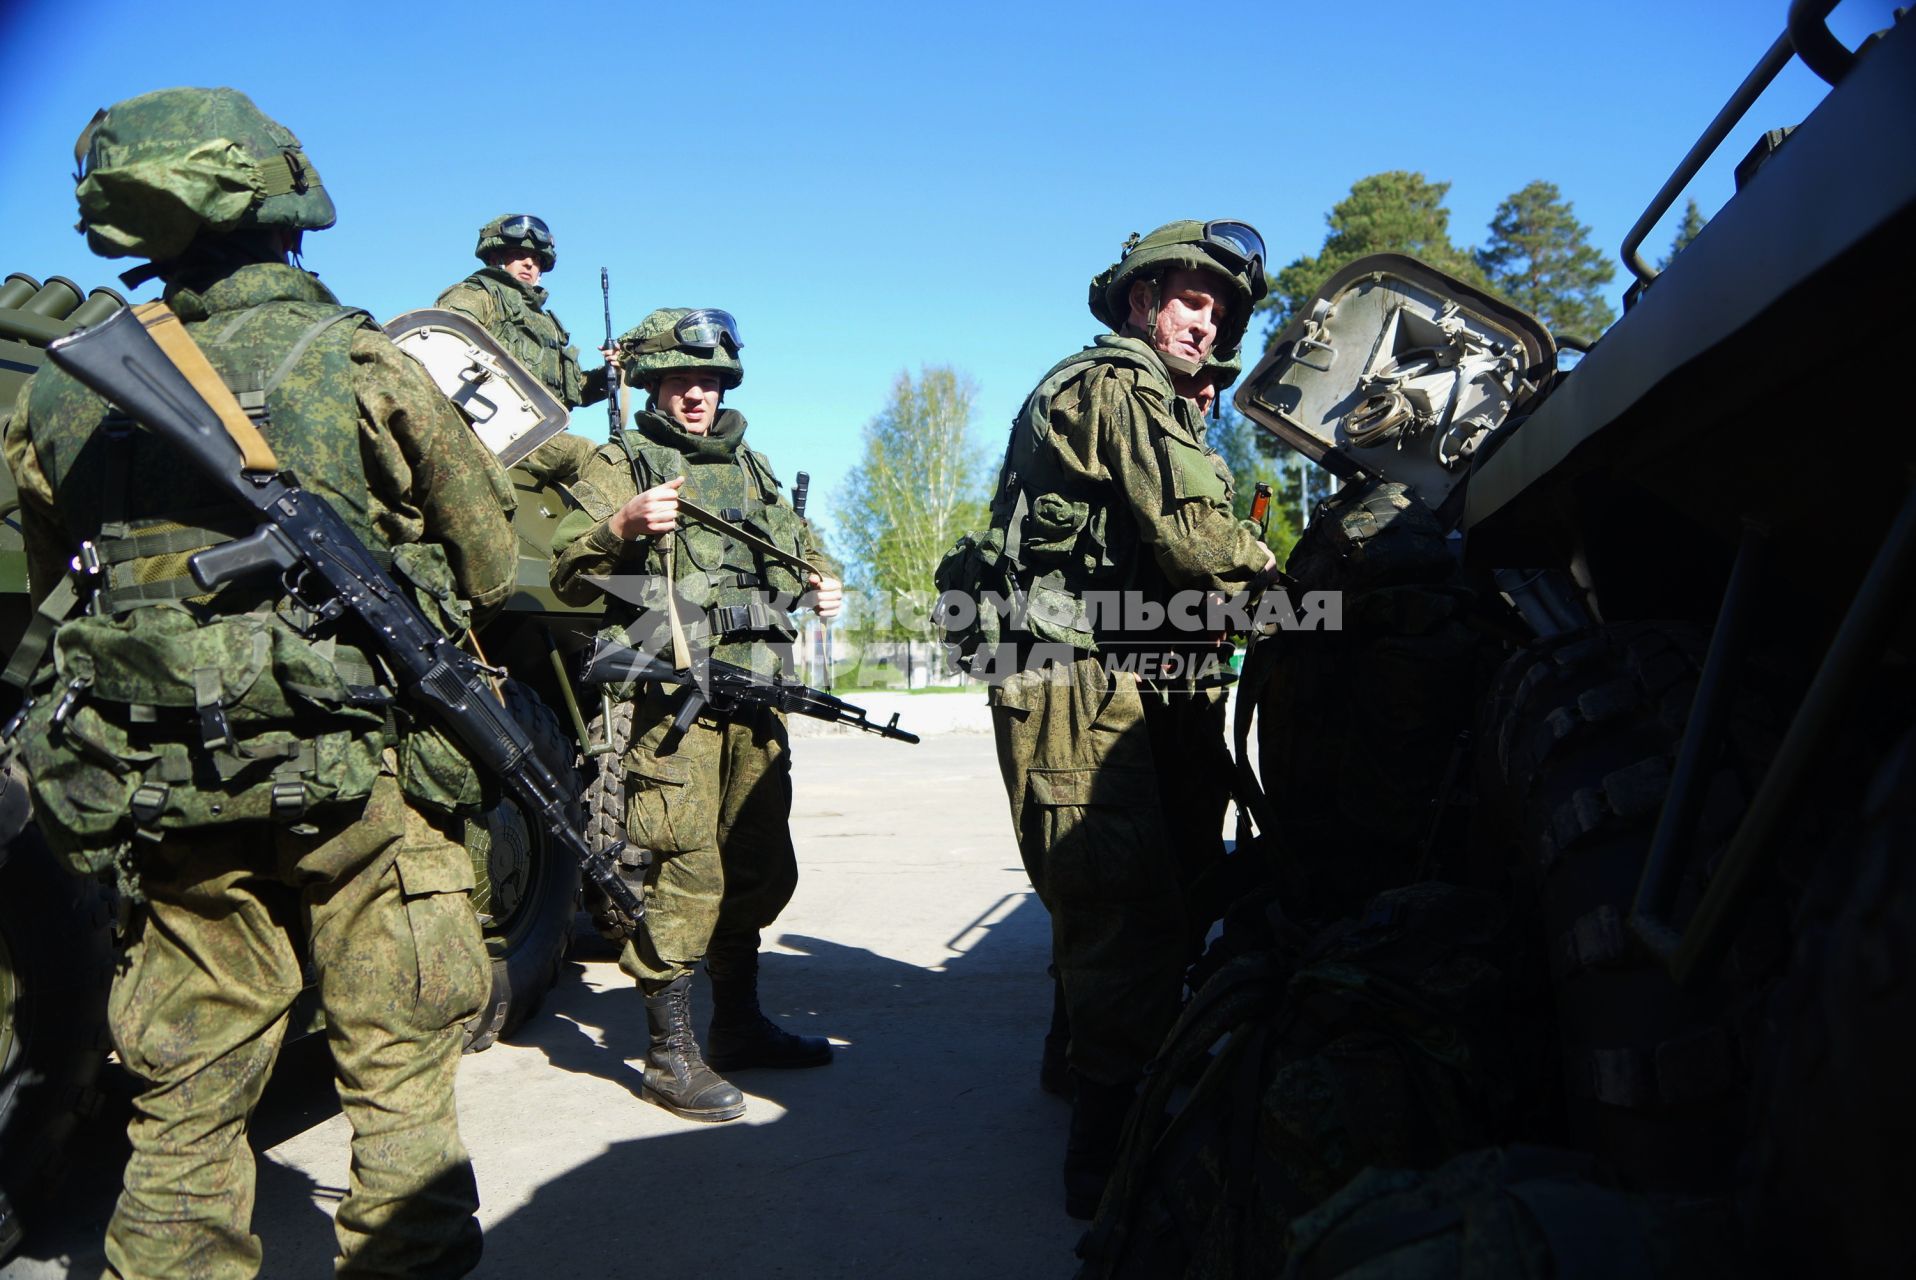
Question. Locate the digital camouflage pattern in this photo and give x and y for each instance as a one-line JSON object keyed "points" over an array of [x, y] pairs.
{"points": [[493, 236], [199, 1012], [1169, 247], [1117, 796], [1108, 485], [645, 368], [159, 169], [200, 1009], [515, 313], [716, 808]]}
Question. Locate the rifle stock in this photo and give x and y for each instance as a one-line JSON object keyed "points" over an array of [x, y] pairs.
{"points": [[193, 411]]}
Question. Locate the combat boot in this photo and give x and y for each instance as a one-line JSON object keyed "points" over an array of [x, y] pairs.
{"points": [[676, 1077], [1091, 1150], [741, 1035]]}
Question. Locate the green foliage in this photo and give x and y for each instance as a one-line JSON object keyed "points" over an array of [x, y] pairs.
{"points": [[1393, 212], [1539, 256], [1692, 223], [920, 485]]}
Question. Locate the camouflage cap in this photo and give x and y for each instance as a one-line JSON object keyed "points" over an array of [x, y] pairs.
{"points": [[518, 231], [1187, 243], [157, 170], [646, 368]]}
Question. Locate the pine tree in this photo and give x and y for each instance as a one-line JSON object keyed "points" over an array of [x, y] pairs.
{"points": [[1686, 231], [1540, 257], [1392, 212]]}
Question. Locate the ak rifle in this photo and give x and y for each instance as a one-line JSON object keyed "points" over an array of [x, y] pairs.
{"points": [[144, 361]]}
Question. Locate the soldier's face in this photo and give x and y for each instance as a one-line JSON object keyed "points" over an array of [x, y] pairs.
{"points": [[1191, 307], [691, 399], [521, 264]]}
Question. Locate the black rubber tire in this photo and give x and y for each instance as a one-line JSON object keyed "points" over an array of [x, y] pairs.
{"points": [[56, 965], [605, 797], [1583, 733], [533, 887]]}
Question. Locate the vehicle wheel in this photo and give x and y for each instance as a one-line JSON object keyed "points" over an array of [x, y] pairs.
{"points": [[56, 963], [605, 797], [1585, 738], [527, 890]]}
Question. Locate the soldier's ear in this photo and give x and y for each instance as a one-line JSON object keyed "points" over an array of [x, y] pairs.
{"points": [[1143, 300]]}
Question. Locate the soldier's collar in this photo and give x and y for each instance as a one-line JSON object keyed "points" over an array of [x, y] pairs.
{"points": [[244, 286], [722, 441], [532, 291]]}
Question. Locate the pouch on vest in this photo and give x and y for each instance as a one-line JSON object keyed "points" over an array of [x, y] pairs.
{"points": [[432, 768], [966, 615], [161, 721]]}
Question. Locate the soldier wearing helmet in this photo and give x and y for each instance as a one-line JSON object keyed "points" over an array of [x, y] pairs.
{"points": [[231, 761], [505, 298], [713, 803], [1112, 755]]}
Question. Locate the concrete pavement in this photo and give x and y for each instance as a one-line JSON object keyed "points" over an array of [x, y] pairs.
{"points": [[925, 1150]]}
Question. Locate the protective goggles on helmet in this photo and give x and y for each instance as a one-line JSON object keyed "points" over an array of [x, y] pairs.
{"points": [[1237, 240], [523, 226], [705, 329]]}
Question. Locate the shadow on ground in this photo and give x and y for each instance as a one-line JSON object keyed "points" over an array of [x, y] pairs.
{"points": [[926, 1149]]}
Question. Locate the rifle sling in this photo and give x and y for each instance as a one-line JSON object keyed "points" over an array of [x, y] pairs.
{"points": [[165, 329], [771, 550]]}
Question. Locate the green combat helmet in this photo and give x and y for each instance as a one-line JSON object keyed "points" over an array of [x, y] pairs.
{"points": [[672, 339], [158, 169], [1231, 249], [518, 231]]}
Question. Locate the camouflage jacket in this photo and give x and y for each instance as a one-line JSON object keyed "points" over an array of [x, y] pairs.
{"points": [[427, 477], [718, 582], [1110, 486], [515, 314]]}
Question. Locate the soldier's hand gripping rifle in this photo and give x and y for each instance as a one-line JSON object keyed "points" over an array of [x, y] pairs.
{"points": [[727, 688], [143, 361]]}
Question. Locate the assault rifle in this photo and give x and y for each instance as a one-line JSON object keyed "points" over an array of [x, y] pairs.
{"points": [[728, 688], [142, 360]]}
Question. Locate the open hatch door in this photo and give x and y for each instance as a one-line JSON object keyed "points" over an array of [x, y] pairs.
{"points": [[1397, 370]]}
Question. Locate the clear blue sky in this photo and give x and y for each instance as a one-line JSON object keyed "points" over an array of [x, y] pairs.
{"points": [[875, 187]]}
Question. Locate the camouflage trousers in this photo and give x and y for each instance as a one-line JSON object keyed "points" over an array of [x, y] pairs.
{"points": [[1117, 795], [716, 812], [378, 904]]}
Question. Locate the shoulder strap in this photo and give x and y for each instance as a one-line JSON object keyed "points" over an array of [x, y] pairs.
{"points": [[306, 338]]}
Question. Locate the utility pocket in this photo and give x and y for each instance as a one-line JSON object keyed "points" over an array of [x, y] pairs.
{"points": [[1100, 835], [452, 975], [663, 811]]}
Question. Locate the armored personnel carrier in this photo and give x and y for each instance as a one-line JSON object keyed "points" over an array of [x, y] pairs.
{"points": [[1626, 672]]}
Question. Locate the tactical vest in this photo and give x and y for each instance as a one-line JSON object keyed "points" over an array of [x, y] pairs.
{"points": [[1054, 537], [164, 707], [532, 334], [735, 589]]}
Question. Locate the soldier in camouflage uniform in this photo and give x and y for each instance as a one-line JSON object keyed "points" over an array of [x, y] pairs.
{"points": [[714, 805], [229, 755], [505, 298], [1115, 777]]}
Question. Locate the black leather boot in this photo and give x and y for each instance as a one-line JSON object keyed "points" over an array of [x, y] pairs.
{"points": [[1054, 1071], [1091, 1151], [741, 1035], [676, 1077]]}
